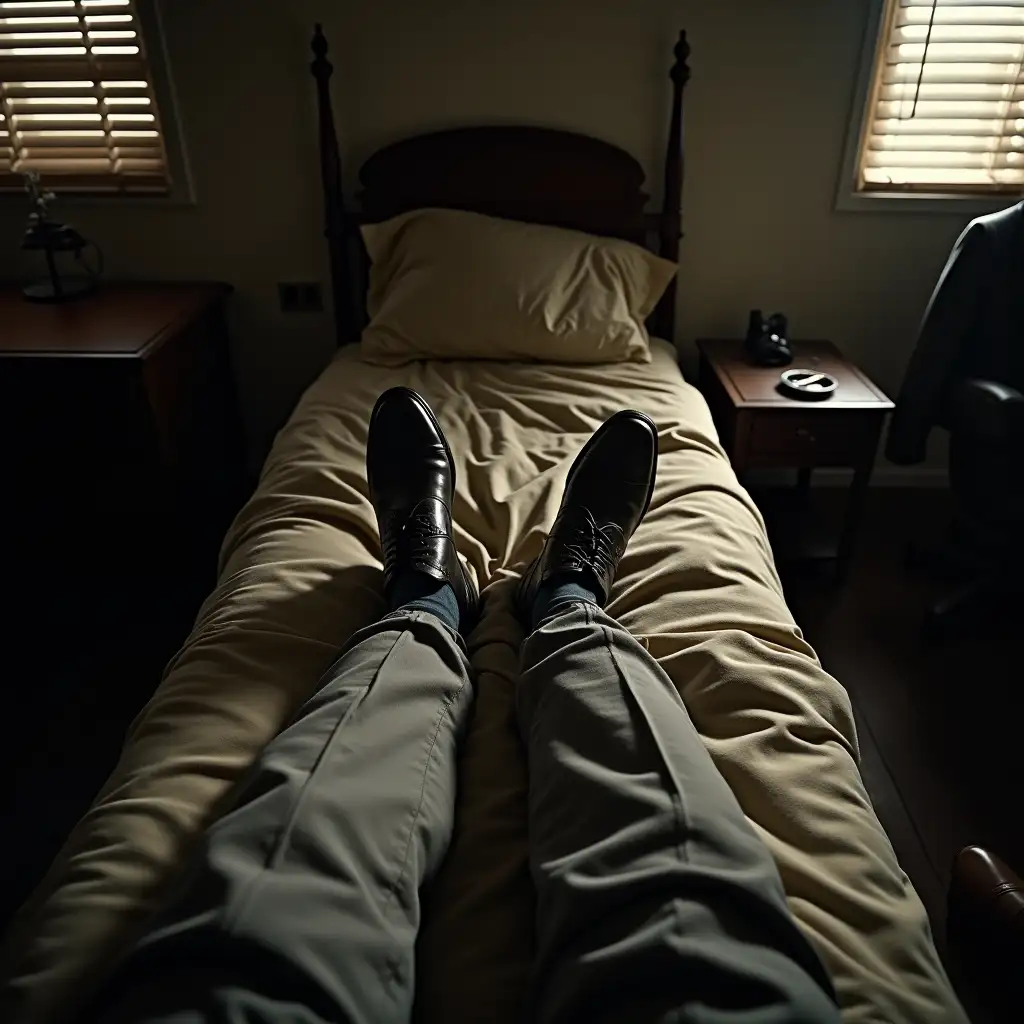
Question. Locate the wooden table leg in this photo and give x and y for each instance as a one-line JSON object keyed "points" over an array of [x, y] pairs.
{"points": [[854, 514]]}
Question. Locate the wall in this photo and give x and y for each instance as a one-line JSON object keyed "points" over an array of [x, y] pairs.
{"points": [[767, 114]]}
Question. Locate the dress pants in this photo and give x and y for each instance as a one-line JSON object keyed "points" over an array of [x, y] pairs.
{"points": [[656, 900]]}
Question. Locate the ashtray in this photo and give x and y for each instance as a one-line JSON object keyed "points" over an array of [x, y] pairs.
{"points": [[807, 385]]}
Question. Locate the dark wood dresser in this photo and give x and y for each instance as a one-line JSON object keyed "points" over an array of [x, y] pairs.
{"points": [[121, 445], [121, 465]]}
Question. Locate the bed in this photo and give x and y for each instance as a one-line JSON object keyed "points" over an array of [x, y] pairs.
{"points": [[300, 572]]}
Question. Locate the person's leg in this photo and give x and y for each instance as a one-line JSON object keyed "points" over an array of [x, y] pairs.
{"points": [[303, 902], [656, 899]]}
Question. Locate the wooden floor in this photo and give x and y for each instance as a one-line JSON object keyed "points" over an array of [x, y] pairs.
{"points": [[940, 726], [939, 722]]}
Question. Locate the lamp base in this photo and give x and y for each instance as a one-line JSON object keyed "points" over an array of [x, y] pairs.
{"points": [[71, 288]]}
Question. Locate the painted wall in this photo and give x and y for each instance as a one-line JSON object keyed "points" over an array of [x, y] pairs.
{"points": [[767, 114]]}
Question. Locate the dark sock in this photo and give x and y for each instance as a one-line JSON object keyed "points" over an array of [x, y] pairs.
{"points": [[417, 591], [562, 589]]}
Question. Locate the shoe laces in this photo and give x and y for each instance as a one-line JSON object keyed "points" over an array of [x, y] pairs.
{"points": [[587, 543], [417, 533]]}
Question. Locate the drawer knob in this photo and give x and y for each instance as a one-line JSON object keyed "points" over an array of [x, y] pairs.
{"points": [[805, 435]]}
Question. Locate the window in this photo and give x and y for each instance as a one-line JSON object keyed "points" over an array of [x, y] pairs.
{"points": [[76, 98], [946, 109]]}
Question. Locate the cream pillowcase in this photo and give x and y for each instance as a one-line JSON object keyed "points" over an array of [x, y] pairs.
{"points": [[446, 284]]}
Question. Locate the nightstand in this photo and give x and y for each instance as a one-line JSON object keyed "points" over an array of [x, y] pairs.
{"points": [[761, 428], [121, 446]]}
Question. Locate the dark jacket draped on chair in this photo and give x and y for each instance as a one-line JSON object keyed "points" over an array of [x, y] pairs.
{"points": [[973, 329]]}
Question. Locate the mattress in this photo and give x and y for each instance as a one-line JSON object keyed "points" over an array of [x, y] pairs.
{"points": [[300, 572]]}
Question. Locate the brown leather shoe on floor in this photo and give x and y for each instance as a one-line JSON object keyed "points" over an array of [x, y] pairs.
{"points": [[986, 902]]}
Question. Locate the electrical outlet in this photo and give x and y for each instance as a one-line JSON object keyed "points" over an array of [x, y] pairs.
{"points": [[310, 297], [300, 297]]}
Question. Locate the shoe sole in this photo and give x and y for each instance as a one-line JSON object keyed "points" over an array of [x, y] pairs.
{"points": [[601, 430], [422, 403]]}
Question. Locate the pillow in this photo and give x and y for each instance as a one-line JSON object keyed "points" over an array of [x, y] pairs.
{"points": [[447, 284]]}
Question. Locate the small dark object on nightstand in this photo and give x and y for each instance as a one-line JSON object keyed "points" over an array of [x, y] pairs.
{"points": [[766, 342], [62, 279]]}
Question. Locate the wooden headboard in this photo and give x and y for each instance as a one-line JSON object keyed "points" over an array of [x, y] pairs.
{"points": [[541, 175]]}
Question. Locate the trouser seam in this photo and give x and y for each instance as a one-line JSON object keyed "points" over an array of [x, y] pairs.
{"points": [[446, 703], [394, 887], [276, 852], [678, 802]]}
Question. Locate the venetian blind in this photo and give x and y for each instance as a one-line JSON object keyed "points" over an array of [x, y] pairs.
{"points": [[947, 108], [76, 100]]}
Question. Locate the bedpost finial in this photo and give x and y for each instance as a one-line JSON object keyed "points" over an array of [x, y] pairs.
{"points": [[321, 66], [680, 73]]}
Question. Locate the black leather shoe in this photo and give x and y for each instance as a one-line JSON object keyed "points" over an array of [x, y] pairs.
{"points": [[606, 495], [411, 475]]}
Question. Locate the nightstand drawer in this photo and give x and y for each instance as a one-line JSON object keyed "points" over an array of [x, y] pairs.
{"points": [[812, 438]]}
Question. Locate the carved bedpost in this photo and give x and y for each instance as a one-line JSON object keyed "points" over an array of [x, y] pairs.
{"points": [[671, 228], [335, 219]]}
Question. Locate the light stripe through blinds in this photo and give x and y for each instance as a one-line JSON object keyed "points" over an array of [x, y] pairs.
{"points": [[947, 108], [76, 99]]}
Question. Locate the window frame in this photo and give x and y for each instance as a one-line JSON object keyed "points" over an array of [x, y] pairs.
{"points": [[848, 198], [182, 187]]}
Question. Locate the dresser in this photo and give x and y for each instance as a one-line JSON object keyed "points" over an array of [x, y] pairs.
{"points": [[122, 446]]}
